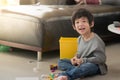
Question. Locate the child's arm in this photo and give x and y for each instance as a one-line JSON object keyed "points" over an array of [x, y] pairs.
{"points": [[97, 58]]}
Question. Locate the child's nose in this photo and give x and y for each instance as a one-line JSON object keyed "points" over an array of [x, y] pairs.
{"points": [[80, 24]]}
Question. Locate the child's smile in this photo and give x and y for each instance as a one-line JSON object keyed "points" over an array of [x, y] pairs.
{"points": [[82, 25], [82, 29]]}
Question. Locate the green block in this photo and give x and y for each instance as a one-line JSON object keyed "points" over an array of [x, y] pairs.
{"points": [[4, 48]]}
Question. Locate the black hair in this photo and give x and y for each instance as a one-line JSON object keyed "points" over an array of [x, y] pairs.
{"points": [[82, 12]]}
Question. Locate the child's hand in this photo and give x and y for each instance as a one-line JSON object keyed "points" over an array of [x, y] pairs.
{"points": [[79, 61], [74, 60]]}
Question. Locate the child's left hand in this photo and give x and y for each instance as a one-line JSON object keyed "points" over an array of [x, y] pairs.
{"points": [[79, 61]]}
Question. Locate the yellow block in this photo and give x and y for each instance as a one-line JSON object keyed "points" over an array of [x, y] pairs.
{"points": [[68, 47]]}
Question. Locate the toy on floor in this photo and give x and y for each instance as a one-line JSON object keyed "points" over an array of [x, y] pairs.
{"points": [[45, 77], [52, 75], [4, 48], [53, 67]]}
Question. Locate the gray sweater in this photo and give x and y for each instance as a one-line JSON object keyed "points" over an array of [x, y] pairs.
{"points": [[93, 51]]}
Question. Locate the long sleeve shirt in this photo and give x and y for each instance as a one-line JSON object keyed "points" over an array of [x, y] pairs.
{"points": [[93, 51]]}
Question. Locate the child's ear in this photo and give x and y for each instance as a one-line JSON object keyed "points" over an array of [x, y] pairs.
{"points": [[92, 24], [74, 27]]}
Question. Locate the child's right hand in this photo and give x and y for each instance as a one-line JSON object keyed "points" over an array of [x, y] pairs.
{"points": [[74, 60]]}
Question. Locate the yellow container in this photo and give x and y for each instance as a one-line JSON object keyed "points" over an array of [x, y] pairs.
{"points": [[68, 47]]}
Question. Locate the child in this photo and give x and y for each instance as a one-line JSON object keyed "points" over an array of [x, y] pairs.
{"points": [[90, 57]]}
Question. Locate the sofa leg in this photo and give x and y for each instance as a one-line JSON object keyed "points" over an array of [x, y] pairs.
{"points": [[39, 56]]}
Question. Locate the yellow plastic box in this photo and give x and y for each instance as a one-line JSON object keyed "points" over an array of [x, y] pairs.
{"points": [[68, 47]]}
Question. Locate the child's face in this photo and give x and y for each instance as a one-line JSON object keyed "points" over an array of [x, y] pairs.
{"points": [[82, 26]]}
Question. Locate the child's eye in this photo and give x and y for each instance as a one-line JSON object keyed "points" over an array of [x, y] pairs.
{"points": [[77, 22], [83, 21]]}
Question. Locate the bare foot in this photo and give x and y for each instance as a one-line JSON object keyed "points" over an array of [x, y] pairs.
{"points": [[61, 78]]}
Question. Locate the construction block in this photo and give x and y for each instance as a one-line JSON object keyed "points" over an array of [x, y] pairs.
{"points": [[68, 47]]}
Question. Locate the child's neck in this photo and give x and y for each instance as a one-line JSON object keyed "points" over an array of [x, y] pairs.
{"points": [[88, 37]]}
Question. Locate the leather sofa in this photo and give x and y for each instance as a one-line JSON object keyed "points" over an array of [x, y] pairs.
{"points": [[39, 27]]}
